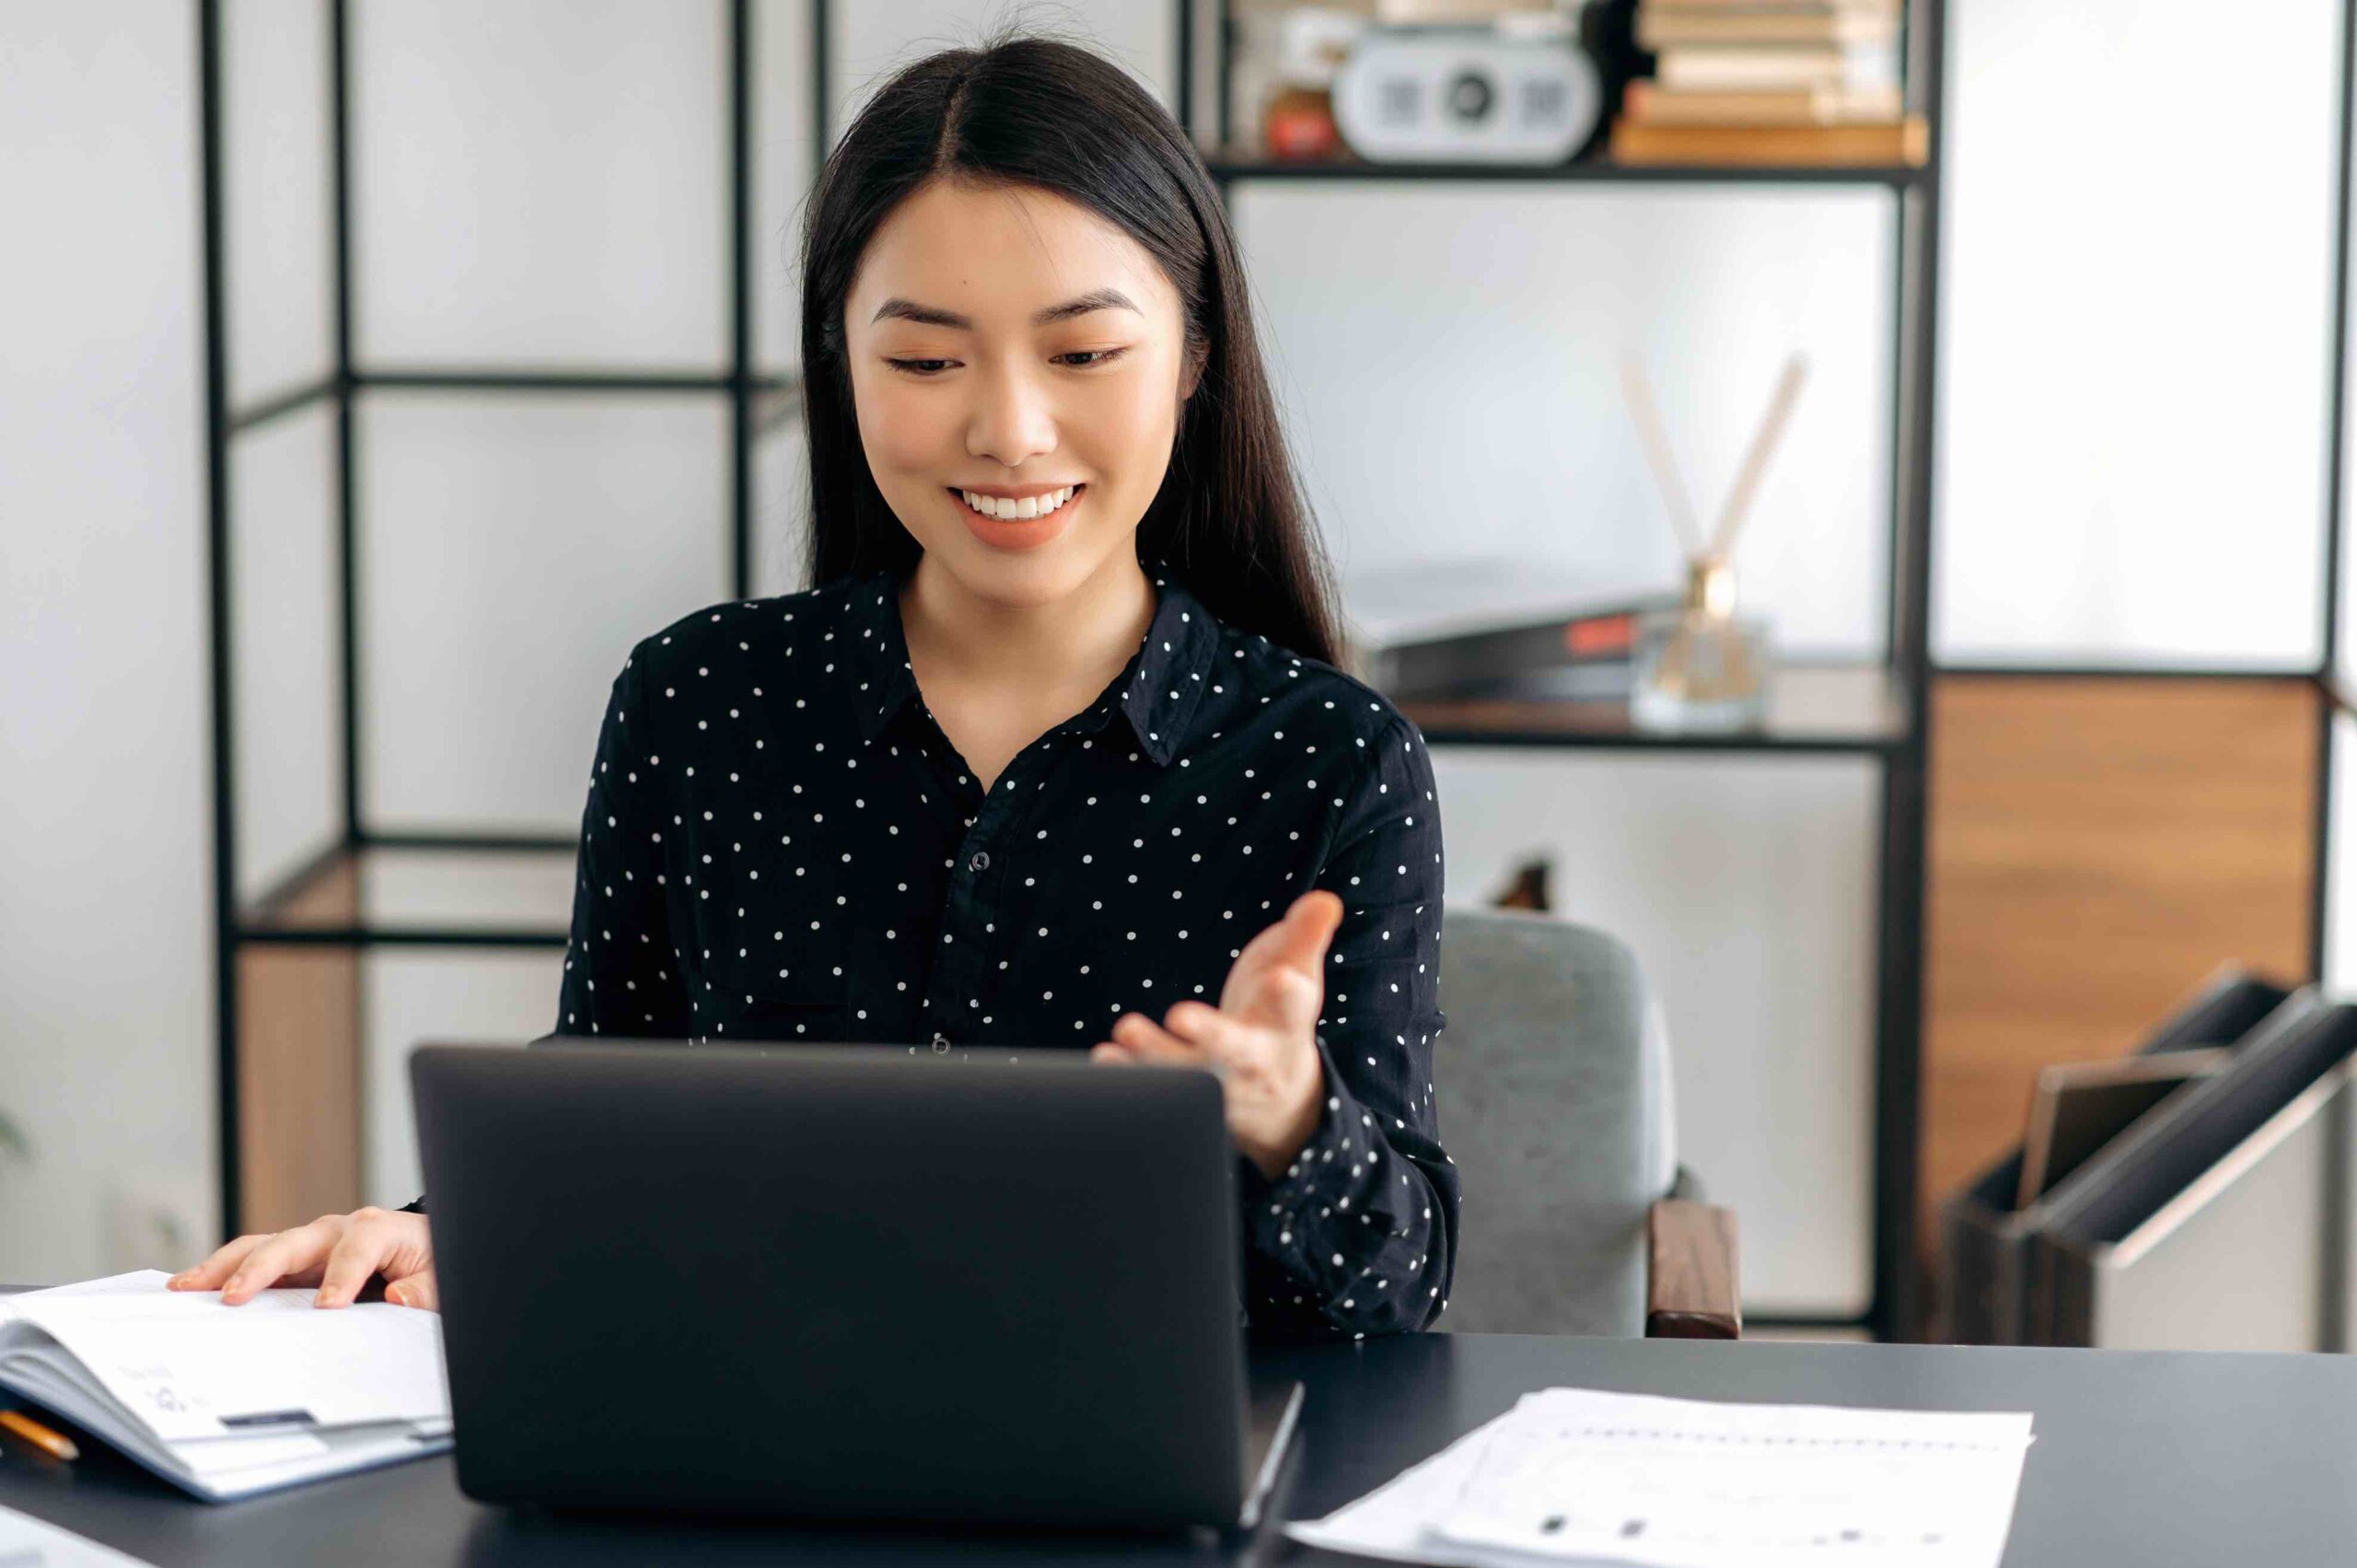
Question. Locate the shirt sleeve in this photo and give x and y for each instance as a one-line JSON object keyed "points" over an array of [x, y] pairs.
{"points": [[1358, 1235], [622, 973]]}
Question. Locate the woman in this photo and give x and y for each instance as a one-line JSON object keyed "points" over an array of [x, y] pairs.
{"points": [[1056, 752]]}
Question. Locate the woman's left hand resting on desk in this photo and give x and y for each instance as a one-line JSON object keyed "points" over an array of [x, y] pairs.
{"points": [[338, 1253], [1262, 1038]]}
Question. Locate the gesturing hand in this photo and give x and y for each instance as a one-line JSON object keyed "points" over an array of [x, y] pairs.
{"points": [[1262, 1038]]}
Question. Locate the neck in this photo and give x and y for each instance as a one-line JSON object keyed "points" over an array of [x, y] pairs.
{"points": [[1079, 639]]}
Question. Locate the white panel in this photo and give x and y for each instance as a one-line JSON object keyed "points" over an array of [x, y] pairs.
{"points": [[2135, 357], [513, 550], [106, 879], [286, 637], [783, 155], [873, 41], [782, 510], [1448, 365], [280, 197], [2341, 865], [408, 998], [1746, 889], [540, 183]]}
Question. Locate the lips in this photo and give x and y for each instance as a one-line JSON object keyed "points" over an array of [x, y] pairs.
{"points": [[1017, 533]]}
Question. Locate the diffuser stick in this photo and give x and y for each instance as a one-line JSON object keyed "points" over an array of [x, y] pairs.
{"points": [[1682, 516], [1779, 409]]}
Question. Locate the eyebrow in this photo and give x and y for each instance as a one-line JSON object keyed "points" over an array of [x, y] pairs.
{"points": [[930, 316]]}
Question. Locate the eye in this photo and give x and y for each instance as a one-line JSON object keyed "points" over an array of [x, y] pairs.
{"points": [[912, 366], [1103, 356]]}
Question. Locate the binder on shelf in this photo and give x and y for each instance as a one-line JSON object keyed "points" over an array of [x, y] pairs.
{"points": [[1985, 1231], [2216, 1223]]}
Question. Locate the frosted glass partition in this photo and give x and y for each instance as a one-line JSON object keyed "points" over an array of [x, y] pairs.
{"points": [[540, 184], [870, 43], [1747, 890], [279, 201], [286, 703], [2136, 347], [409, 996], [1447, 362], [513, 550], [783, 157]]}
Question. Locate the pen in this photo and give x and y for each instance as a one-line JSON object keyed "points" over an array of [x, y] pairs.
{"points": [[40, 1436]]}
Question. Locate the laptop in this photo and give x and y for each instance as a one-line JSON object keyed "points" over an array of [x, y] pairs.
{"points": [[844, 1283]]}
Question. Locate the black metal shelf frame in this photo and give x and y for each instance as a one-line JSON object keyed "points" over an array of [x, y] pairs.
{"points": [[758, 402], [1904, 761]]}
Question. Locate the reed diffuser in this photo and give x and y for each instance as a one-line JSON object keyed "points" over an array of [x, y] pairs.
{"points": [[1702, 667]]}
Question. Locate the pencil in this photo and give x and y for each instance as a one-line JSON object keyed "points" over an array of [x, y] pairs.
{"points": [[40, 1436]]}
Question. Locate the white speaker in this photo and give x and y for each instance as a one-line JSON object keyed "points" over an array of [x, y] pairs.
{"points": [[1466, 95]]}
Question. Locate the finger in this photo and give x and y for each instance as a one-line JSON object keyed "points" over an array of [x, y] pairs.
{"points": [[351, 1266], [1149, 1041], [287, 1252], [415, 1290], [209, 1274], [1298, 941], [1107, 1050], [1211, 1032], [1309, 925]]}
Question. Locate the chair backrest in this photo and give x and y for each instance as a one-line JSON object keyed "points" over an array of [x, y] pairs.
{"points": [[1553, 1092]]}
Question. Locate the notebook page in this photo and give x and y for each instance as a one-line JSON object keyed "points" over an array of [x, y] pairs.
{"points": [[189, 1366]]}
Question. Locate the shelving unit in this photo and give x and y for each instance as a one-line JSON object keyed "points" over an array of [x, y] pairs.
{"points": [[372, 889], [1879, 711]]}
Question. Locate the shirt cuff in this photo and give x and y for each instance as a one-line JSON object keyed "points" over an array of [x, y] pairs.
{"points": [[1286, 1222]]}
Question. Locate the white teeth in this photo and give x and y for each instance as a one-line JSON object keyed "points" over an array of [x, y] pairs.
{"points": [[1030, 506]]}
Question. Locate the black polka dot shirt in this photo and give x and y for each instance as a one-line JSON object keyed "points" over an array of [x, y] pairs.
{"points": [[780, 844]]}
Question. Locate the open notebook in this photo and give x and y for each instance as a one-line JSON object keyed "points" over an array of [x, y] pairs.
{"points": [[226, 1401]]}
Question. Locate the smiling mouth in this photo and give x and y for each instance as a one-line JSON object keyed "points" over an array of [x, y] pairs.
{"points": [[1071, 495]]}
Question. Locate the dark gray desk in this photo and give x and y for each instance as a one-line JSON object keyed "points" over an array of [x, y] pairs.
{"points": [[2141, 1458]]}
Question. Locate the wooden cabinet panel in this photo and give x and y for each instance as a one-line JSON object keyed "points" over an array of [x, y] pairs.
{"points": [[2098, 846]]}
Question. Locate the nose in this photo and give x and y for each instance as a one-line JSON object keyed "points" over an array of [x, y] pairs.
{"points": [[1012, 417]]}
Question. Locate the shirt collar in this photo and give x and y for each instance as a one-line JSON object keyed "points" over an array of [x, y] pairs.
{"points": [[1160, 689]]}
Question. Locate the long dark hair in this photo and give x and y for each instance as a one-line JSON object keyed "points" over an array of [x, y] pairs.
{"points": [[1030, 110]]}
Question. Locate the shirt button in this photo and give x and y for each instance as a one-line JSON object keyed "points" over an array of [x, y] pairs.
{"points": [[940, 1042], [980, 862]]}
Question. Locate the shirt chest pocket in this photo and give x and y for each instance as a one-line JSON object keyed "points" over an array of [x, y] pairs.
{"points": [[778, 971]]}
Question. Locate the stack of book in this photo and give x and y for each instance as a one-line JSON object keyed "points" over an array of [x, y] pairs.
{"points": [[1495, 626], [1793, 82]]}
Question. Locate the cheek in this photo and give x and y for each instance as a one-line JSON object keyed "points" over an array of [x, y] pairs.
{"points": [[1129, 427], [898, 432]]}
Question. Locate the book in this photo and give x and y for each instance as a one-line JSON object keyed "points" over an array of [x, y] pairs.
{"points": [[1714, 67], [1495, 626], [1649, 103], [229, 1401], [2078, 1107], [1903, 142], [1663, 26]]}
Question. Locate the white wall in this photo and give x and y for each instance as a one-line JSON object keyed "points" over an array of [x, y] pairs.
{"points": [[106, 992]]}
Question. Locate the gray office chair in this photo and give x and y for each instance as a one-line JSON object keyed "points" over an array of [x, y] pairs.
{"points": [[1553, 1090]]}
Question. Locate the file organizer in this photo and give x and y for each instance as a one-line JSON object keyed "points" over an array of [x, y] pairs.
{"points": [[2216, 1222], [1985, 1236]]}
